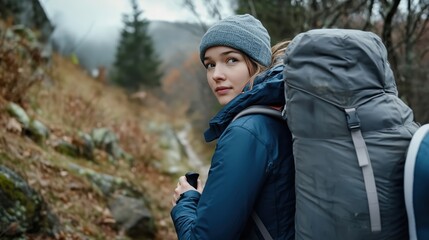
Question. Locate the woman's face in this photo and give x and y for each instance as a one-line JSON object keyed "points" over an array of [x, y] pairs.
{"points": [[227, 72]]}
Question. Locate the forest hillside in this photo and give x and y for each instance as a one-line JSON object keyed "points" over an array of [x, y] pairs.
{"points": [[81, 159]]}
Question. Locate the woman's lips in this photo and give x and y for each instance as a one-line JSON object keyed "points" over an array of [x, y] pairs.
{"points": [[222, 90]]}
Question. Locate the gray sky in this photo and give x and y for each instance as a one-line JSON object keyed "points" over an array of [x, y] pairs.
{"points": [[81, 14]]}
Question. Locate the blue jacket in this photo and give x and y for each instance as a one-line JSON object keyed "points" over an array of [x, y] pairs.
{"points": [[251, 170]]}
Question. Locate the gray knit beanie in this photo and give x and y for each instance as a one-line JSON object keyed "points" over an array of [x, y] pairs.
{"points": [[241, 32]]}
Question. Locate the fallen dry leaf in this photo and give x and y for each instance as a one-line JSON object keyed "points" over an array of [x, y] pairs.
{"points": [[14, 126]]}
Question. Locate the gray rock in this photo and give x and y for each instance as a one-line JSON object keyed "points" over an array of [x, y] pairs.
{"points": [[37, 131], [103, 137], [107, 141], [86, 149], [66, 148], [174, 160], [19, 113], [22, 209], [106, 184], [132, 217]]}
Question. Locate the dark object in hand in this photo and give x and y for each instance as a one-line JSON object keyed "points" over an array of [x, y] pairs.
{"points": [[192, 177]]}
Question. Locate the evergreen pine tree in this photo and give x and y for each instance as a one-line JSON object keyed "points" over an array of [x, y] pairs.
{"points": [[136, 63], [9, 8]]}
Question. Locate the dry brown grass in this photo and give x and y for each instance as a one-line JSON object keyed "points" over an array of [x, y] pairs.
{"points": [[21, 62], [80, 102], [74, 101], [71, 101], [67, 100]]}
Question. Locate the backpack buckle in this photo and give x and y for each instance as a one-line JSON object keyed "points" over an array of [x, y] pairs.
{"points": [[353, 121]]}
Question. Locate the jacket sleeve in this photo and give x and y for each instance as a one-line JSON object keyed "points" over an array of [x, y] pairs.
{"points": [[236, 175]]}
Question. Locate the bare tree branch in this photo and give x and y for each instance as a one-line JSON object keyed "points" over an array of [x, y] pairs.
{"points": [[387, 31], [213, 7], [419, 20], [368, 20], [252, 8], [191, 7], [423, 53], [340, 11]]}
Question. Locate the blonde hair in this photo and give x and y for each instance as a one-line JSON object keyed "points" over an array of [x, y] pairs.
{"points": [[277, 53]]}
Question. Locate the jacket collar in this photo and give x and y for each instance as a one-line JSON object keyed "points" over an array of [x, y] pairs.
{"points": [[268, 89]]}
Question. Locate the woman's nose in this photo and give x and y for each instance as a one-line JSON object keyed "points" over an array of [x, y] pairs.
{"points": [[218, 73]]}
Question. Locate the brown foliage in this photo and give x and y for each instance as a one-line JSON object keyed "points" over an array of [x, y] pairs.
{"points": [[73, 102], [81, 113], [134, 140], [20, 63], [170, 80]]}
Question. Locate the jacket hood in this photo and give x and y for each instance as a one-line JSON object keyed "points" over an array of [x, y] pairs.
{"points": [[268, 89]]}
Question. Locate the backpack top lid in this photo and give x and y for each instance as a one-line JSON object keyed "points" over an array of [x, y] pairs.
{"points": [[342, 66]]}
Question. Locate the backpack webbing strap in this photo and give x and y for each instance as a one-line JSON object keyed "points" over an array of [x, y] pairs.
{"points": [[265, 234], [365, 163], [260, 109]]}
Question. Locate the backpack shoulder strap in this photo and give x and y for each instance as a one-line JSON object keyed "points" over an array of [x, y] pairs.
{"points": [[267, 110], [264, 231], [260, 109]]}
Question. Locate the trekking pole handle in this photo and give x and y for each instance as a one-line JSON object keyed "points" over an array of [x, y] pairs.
{"points": [[192, 177]]}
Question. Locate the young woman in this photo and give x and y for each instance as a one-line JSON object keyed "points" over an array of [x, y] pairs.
{"points": [[251, 177]]}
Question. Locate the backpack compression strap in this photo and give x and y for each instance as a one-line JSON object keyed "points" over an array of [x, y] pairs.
{"points": [[260, 109], [365, 163]]}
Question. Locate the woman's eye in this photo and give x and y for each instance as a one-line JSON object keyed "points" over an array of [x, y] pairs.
{"points": [[232, 60], [209, 65]]}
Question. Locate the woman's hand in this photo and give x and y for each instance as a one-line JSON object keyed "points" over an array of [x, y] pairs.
{"points": [[184, 186]]}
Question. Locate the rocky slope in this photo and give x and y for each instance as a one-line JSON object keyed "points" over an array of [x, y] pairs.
{"points": [[80, 159]]}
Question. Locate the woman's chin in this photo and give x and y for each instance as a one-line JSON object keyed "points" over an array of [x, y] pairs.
{"points": [[223, 100]]}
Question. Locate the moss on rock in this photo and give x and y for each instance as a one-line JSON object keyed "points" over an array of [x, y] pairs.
{"points": [[17, 206], [21, 208]]}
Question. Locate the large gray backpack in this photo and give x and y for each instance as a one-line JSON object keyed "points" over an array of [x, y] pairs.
{"points": [[351, 133]]}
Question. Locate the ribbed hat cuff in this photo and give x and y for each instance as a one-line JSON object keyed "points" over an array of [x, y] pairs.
{"points": [[240, 40]]}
